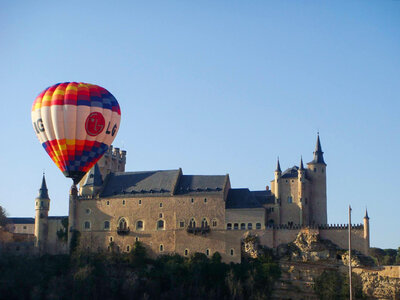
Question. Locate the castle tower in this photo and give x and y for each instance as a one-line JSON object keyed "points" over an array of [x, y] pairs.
{"points": [[93, 182], [301, 176], [277, 183], [42, 206], [366, 233], [72, 216], [317, 176]]}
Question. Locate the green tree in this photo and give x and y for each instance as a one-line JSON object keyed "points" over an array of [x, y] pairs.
{"points": [[3, 216]]}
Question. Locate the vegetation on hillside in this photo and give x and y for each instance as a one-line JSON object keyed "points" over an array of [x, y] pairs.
{"points": [[384, 257], [3, 216], [135, 276]]}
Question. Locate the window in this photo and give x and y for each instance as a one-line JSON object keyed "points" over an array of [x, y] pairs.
{"points": [[140, 202], [290, 224], [160, 215], [123, 202], [214, 223], [242, 226], [139, 225], [128, 248], [122, 224], [192, 200], [208, 252], [37, 203], [87, 225], [192, 222], [232, 252], [106, 224], [108, 202], [24, 227], [41, 216], [137, 239], [182, 224], [111, 239], [205, 200], [186, 252], [236, 226], [229, 226], [160, 204], [160, 224], [204, 223], [290, 199], [249, 226], [161, 248], [88, 211], [258, 226]]}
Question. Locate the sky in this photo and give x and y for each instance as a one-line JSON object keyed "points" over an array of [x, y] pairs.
{"points": [[216, 87]]}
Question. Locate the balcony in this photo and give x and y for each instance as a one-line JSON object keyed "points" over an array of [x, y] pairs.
{"points": [[123, 231], [195, 230]]}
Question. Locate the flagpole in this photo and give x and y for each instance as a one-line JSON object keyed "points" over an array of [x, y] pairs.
{"points": [[351, 294]]}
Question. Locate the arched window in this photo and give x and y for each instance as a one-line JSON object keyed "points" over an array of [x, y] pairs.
{"points": [[106, 225], [208, 252], [192, 223], [229, 226], [161, 248], [87, 225], [160, 224], [186, 252], [204, 223], [250, 226], [122, 224], [128, 248], [232, 252], [139, 225], [236, 226], [258, 226], [214, 223], [242, 226]]}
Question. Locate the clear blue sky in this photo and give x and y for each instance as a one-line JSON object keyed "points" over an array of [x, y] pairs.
{"points": [[216, 87]]}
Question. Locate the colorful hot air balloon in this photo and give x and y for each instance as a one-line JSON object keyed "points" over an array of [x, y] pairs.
{"points": [[75, 123]]}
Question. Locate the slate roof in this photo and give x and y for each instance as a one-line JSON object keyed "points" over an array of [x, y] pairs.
{"points": [[201, 183], [43, 192], [241, 198], [291, 172], [264, 197], [94, 177], [21, 220], [146, 183]]}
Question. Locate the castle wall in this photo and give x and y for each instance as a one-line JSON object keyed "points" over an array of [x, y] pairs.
{"points": [[340, 236], [246, 216], [54, 244], [28, 228], [290, 212]]}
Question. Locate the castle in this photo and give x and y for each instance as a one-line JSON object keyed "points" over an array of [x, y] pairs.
{"points": [[170, 212]]}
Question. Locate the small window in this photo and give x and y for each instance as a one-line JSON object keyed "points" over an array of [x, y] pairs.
{"points": [[250, 226], [123, 202], [108, 202], [192, 222], [192, 200], [37, 203], [232, 252], [236, 226], [258, 226], [229, 226], [204, 223], [160, 215], [24, 227], [88, 211], [137, 239], [214, 223], [106, 224], [182, 224], [208, 252], [160, 204], [160, 224], [242, 226], [128, 248], [87, 225], [186, 252], [205, 200], [111, 239], [290, 199], [140, 202], [161, 248], [139, 225]]}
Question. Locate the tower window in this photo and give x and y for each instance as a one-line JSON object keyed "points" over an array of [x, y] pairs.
{"points": [[128, 248], [106, 224], [108, 202], [161, 248], [139, 225], [205, 200], [88, 211], [140, 201], [111, 239], [290, 199], [242, 226], [186, 252], [160, 204], [258, 226], [192, 200], [161, 215], [229, 226], [87, 225], [236, 226], [137, 239], [232, 252], [249, 226], [208, 252], [160, 224], [123, 202]]}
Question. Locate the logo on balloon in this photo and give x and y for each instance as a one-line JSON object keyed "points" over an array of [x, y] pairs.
{"points": [[95, 124]]}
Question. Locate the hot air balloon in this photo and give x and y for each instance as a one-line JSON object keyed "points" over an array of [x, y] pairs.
{"points": [[75, 123]]}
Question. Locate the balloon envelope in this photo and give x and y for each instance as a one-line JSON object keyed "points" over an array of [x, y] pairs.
{"points": [[75, 123]]}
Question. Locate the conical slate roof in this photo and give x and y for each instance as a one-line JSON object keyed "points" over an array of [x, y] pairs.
{"points": [[318, 154], [94, 177], [43, 192]]}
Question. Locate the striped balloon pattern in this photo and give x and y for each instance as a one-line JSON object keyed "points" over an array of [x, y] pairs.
{"points": [[75, 123]]}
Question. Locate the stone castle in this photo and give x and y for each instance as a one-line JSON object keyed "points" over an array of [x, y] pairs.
{"points": [[170, 212]]}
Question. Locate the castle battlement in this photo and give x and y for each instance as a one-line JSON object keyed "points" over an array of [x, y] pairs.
{"points": [[320, 226]]}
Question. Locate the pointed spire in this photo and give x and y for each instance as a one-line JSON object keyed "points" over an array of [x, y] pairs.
{"points": [[43, 192], [366, 214], [94, 177], [301, 163], [318, 153], [278, 166]]}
